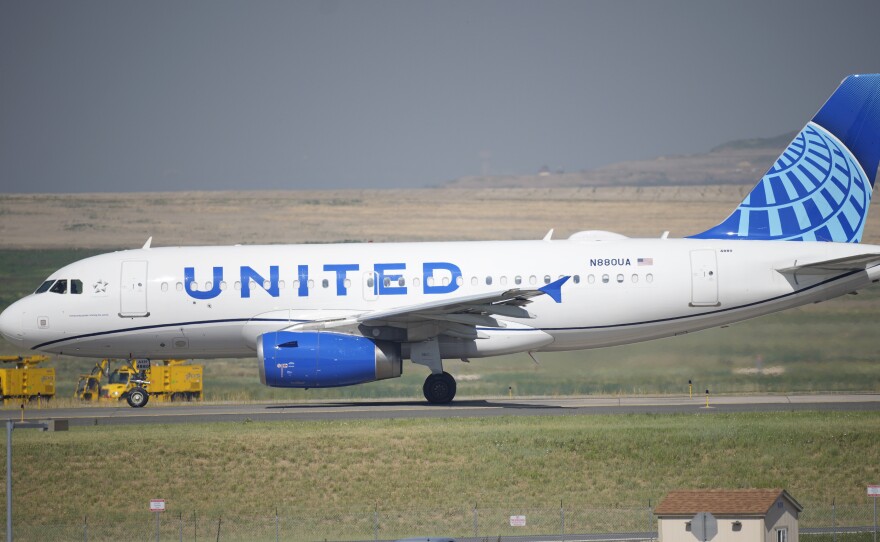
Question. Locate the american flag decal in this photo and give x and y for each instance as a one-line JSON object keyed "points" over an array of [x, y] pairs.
{"points": [[646, 261]]}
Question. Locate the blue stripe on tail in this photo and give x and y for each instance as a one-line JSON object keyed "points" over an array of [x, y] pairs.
{"points": [[820, 188]]}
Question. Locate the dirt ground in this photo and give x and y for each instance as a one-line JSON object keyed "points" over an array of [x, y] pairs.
{"points": [[209, 218]]}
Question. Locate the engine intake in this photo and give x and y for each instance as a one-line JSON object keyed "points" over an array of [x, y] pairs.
{"points": [[318, 359]]}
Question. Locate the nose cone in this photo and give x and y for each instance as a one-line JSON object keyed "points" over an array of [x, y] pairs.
{"points": [[10, 324]]}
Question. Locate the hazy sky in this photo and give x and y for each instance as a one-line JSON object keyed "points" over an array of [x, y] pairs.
{"points": [[205, 94]]}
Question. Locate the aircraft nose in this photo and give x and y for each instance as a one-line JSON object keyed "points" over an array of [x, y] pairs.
{"points": [[10, 324]]}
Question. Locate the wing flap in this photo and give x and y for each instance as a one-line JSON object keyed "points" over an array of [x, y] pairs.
{"points": [[834, 266]]}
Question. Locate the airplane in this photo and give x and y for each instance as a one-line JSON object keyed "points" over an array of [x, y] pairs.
{"points": [[342, 314]]}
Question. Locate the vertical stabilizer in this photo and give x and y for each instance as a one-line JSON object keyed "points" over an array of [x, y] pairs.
{"points": [[820, 188]]}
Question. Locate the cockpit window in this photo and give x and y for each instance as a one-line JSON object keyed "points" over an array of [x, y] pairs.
{"points": [[45, 286], [60, 287], [76, 286]]}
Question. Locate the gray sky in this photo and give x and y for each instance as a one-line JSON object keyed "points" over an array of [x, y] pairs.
{"points": [[212, 95]]}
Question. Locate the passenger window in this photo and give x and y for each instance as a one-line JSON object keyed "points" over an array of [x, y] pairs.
{"points": [[532, 279], [164, 286], [474, 281], [546, 279], [179, 287], [605, 279], [517, 280], [459, 280], [401, 281], [281, 284], [325, 283], [504, 281], [488, 281], [238, 285], [620, 278], [60, 287], [76, 286], [649, 278], [635, 278], [386, 282], [415, 282], [45, 286], [577, 279], [369, 282]]}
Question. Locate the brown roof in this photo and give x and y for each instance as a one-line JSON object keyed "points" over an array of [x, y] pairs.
{"points": [[721, 501]]}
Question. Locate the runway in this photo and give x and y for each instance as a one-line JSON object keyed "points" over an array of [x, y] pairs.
{"points": [[165, 413]]}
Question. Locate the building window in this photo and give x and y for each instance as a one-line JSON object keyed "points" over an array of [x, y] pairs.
{"points": [[782, 534]]}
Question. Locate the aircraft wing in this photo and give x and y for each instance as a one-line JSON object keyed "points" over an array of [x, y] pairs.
{"points": [[835, 266], [456, 317]]}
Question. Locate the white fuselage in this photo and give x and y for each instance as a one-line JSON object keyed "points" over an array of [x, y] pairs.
{"points": [[139, 303]]}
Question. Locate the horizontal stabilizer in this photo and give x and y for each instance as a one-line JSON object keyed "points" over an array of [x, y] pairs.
{"points": [[837, 265]]}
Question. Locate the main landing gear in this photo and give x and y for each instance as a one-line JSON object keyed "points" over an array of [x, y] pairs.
{"points": [[439, 388]]}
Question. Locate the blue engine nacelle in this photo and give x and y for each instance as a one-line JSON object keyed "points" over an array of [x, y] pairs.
{"points": [[313, 359]]}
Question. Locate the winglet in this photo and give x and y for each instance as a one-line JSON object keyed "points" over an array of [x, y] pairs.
{"points": [[554, 289]]}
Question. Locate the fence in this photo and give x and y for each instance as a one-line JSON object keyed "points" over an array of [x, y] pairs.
{"points": [[563, 522]]}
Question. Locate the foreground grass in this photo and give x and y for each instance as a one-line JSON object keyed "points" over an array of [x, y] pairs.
{"points": [[254, 468]]}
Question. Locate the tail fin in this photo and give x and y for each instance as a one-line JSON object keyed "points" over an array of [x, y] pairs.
{"points": [[819, 189]]}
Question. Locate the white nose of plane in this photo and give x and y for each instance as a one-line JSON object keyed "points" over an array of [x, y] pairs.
{"points": [[10, 324]]}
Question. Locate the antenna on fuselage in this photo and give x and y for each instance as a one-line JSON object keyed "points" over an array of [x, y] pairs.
{"points": [[147, 244]]}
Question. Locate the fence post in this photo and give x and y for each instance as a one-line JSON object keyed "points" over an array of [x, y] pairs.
{"points": [[875, 518], [180, 524], [833, 520], [376, 522], [219, 522], [277, 533], [85, 528], [195, 527], [157, 526], [476, 522]]}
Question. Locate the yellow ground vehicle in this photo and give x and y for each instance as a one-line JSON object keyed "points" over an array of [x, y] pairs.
{"points": [[171, 381], [89, 386], [25, 380]]}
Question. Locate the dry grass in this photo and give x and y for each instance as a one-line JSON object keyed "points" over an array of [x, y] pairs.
{"points": [[193, 218]]}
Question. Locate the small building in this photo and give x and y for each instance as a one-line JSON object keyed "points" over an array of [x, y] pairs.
{"points": [[742, 515]]}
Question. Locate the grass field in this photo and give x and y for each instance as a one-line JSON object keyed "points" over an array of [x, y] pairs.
{"points": [[602, 461]]}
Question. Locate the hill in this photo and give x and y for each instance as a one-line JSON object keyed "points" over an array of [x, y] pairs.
{"points": [[736, 162]]}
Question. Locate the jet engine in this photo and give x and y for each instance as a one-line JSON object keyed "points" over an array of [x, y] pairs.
{"points": [[319, 359]]}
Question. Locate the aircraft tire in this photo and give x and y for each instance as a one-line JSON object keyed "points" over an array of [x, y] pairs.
{"points": [[439, 389], [137, 397]]}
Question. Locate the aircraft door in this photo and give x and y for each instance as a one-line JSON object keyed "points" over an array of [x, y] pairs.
{"points": [[133, 290], [704, 278]]}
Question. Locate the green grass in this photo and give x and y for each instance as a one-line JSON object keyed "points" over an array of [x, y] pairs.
{"points": [[413, 467]]}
